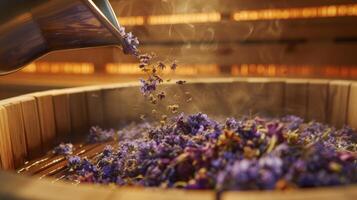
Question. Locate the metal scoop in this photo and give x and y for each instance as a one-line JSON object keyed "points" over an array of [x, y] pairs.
{"points": [[31, 29]]}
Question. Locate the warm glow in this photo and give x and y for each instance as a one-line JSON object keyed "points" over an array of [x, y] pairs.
{"points": [[243, 15], [197, 69], [59, 68], [127, 68], [265, 70], [272, 70], [184, 18], [296, 13], [132, 69], [131, 21]]}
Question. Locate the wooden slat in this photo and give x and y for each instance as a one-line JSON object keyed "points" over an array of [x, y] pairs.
{"points": [[7, 158], [296, 98], [352, 106], [122, 105], [32, 127], [95, 107], [320, 29], [317, 100], [17, 132], [62, 114], [47, 119], [338, 103], [201, 101], [78, 112], [266, 96], [21, 187], [332, 193], [162, 194], [135, 8], [230, 53], [255, 53]]}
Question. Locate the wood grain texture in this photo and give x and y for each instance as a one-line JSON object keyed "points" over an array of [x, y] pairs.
{"points": [[266, 96], [295, 102], [118, 98], [135, 8], [162, 194], [21, 187], [32, 127], [78, 112], [352, 106], [123, 105], [62, 114], [343, 193], [7, 158], [95, 107], [317, 100], [298, 53], [47, 119], [338, 103], [318, 28], [17, 132]]}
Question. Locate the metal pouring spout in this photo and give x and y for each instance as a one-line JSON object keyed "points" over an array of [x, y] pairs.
{"points": [[31, 29]]}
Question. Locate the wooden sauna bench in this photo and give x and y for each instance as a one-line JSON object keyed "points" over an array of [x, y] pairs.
{"points": [[32, 124]]}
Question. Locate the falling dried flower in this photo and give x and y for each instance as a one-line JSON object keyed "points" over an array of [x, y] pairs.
{"points": [[152, 99], [161, 95], [161, 66], [63, 149], [142, 117], [173, 108], [174, 65], [180, 82]]}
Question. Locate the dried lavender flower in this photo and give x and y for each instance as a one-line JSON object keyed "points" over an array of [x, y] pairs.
{"points": [[161, 95], [173, 108], [174, 65], [63, 149], [197, 152], [180, 82]]}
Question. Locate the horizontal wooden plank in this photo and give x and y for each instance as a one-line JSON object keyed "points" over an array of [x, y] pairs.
{"points": [[309, 29], [162, 194], [156, 7], [20, 187], [293, 54], [343, 193], [310, 53]]}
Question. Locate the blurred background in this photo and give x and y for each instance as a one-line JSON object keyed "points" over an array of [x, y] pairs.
{"points": [[211, 38]]}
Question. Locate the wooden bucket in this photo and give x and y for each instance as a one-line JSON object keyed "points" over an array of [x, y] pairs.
{"points": [[32, 124]]}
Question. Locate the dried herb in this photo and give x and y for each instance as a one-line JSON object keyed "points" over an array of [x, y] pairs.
{"points": [[196, 152]]}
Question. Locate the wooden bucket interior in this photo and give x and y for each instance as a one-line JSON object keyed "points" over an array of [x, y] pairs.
{"points": [[32, 124]]}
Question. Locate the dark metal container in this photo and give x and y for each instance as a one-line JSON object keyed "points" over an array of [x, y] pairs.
{"points": [[31, 29]]}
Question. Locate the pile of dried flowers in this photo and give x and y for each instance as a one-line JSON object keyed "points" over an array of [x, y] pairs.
{"points": [[196, 152]]}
